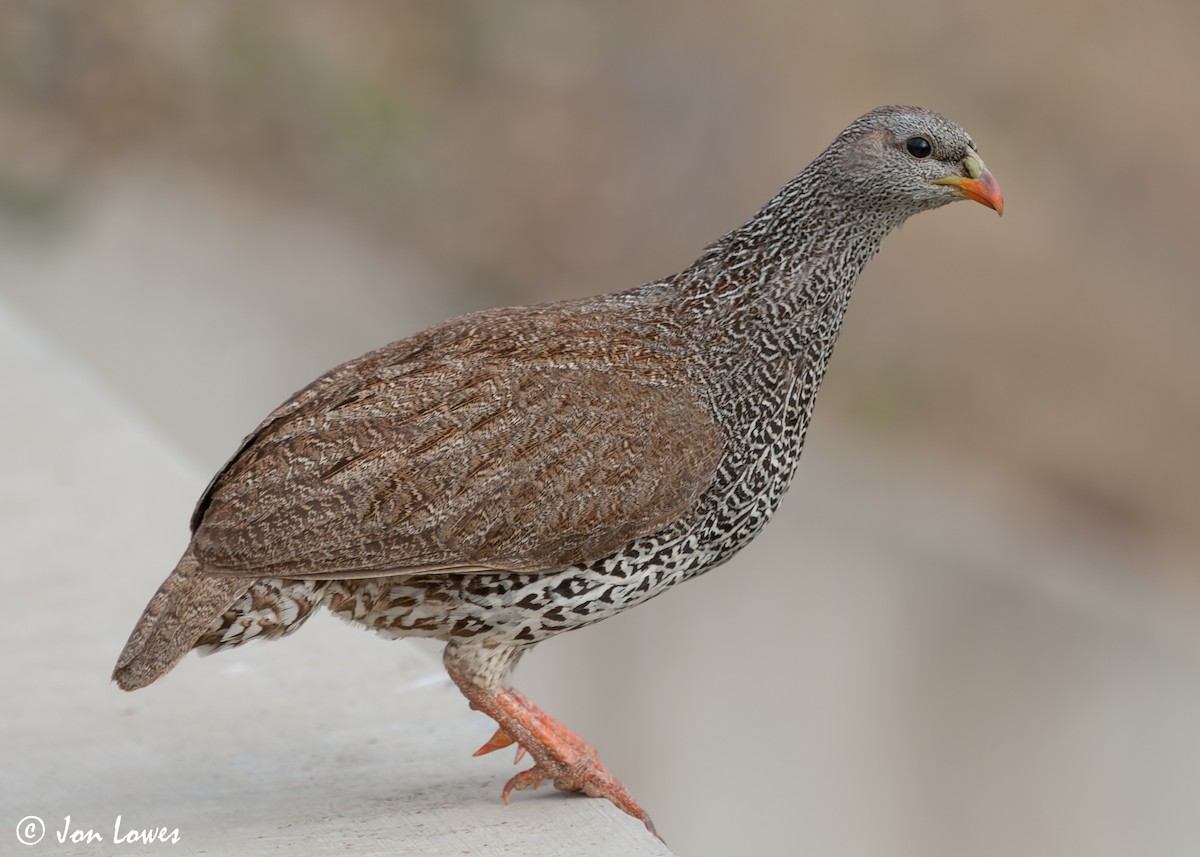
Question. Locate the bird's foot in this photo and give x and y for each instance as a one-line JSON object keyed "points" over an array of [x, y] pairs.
{"points": [[586, 775], [559, 754]]}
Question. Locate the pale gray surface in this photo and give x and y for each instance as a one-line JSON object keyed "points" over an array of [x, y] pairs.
{"points": [[335, 744], [918, 657]]}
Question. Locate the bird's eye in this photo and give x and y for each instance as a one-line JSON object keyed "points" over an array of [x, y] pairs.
{"points": [[918, 147]]}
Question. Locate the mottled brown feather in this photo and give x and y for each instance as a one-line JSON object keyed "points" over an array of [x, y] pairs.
{"points": [[521, 439]]}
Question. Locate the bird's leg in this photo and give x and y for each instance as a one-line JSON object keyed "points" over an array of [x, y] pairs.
{"points": [[559, 754], [502, 739], [581, 746]]}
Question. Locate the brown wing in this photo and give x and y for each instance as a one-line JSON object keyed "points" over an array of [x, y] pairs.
{"points": [[527, 450]]}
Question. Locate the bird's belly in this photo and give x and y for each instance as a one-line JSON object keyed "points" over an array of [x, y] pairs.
{"points": [[527, 608]]}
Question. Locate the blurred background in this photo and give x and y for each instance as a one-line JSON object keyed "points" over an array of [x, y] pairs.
{"points": [[973, 627]]}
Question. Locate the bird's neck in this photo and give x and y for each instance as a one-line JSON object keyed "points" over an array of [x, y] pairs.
{"points": [[762, 309], [779, 284]]}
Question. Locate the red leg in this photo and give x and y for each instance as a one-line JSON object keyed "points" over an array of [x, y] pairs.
{"points": [[501, 739], [559, 754]]}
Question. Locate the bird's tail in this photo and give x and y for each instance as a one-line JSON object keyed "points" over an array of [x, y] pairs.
{"points": [[184, 607]]}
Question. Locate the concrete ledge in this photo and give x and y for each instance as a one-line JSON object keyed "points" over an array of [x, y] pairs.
{"points": [[332, 741]]}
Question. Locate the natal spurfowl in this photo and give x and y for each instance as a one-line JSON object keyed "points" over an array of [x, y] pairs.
{"points": [[516, 473]]}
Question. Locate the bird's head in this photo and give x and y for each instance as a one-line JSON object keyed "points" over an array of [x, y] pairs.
{"points": [[909, 159]]}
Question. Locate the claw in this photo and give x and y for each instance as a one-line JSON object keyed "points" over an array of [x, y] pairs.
{"points": [[531, 778]]}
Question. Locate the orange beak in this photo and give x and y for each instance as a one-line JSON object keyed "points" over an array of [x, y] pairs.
{"points": [[978, 184]]}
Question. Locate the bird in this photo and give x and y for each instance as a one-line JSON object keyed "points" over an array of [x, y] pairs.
{"points": [[519, 472]]}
